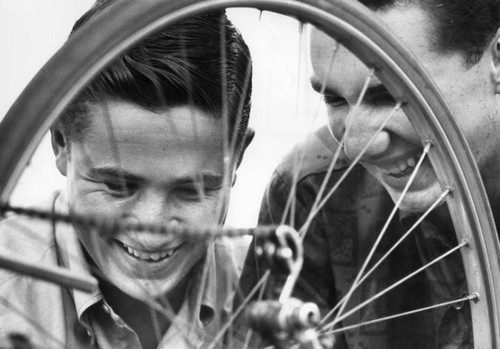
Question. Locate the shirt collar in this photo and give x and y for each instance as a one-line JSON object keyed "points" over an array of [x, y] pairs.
{"points": [[202, 292], [72, 256]]}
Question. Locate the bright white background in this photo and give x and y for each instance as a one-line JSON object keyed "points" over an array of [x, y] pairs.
{"points": [[284, 105]]}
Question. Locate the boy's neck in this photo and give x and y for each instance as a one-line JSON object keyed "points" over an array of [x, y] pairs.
{"points": [[150, 325]]}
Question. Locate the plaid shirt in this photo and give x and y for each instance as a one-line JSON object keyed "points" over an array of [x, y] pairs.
{"points": [[338, 241]]}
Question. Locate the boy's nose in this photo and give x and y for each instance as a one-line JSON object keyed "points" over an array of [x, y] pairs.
{"points": [[363, 136], [152, 208]]}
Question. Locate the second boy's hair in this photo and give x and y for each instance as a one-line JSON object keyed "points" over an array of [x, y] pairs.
{"points": [[185, 64], [465, 26]]}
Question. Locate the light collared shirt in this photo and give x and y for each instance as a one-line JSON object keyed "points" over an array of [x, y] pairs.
{"points": [[57, 317]]}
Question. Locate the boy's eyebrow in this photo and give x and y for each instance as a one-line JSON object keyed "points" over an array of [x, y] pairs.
{"points": [[112, 172], [376, 90], [321, 88], [373, 90], [207, 178]]}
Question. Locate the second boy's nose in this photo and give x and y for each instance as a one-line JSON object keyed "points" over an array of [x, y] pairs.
{"points": [[363, 137]]}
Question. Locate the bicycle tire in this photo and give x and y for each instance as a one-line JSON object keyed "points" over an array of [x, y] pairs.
{"points": [[354, 26]]}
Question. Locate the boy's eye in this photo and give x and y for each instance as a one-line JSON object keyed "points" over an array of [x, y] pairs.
{"points": [[195, 192], [121, 188], [191, 192], [334, 101], [379, 96], [381, 99]]}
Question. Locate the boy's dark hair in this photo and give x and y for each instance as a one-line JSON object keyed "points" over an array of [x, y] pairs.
{"points": [[466, 26], [184, 64]]}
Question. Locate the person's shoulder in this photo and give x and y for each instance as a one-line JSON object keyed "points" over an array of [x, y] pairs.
{"points": [[313, 155], [27, 238], [28, 301]]}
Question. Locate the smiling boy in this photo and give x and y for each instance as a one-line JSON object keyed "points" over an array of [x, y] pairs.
{"points": [[458, 42], [144, 142]]}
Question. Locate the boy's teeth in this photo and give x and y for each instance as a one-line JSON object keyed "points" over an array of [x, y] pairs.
{"points": [[156, 256], [133, 252], [412, 162], [402, 166]]}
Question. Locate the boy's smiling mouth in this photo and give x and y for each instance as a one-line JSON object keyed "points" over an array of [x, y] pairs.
{"points": [[404, 167], [147, 256]]}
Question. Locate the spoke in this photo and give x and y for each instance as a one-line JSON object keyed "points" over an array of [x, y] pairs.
{"points": [[156, 324], [293, 204], [259, 285], [250, 331], [239, 114], [384, 229], [439, 200], [358, 101], [189, 84], [112, 138], [472, 297], [200, 187], [226, 184], [409, 276], [204, 274], [242, 105], [325, 80], [300, 158], [298, 161]]}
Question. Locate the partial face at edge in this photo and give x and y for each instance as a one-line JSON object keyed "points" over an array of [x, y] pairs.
{"points": [[155, 168], [393, 154]]}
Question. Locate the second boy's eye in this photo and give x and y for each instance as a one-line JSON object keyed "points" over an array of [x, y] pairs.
{"points": [[381, 99], [379, 96], [334, 101], [196, 191]]}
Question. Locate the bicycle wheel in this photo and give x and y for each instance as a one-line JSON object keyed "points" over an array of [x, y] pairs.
{"points": [[355, 27]]}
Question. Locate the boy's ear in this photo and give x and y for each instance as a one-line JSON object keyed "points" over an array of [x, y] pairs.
{"points": [[250, 134], [60, 146], [495, 59]]}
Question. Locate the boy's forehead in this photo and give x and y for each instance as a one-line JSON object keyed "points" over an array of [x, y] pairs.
{"points": [[119, 172], [114, 119], [410, 23], [179, 142]]}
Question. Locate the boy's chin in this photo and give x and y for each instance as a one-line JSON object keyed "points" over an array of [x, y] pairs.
{"points": [[420, 201]]}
